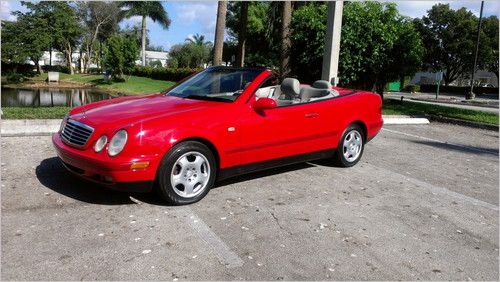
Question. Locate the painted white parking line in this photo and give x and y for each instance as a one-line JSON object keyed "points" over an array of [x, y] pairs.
{"points": [[437, 190], [442, 142], [225, 255]]}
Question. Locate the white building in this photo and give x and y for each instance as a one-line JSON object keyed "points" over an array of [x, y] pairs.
{"points": [[484, 77], [58, 59], [152, 56]]}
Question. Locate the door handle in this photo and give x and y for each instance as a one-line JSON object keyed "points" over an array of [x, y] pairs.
{"points": [[311, 115]]}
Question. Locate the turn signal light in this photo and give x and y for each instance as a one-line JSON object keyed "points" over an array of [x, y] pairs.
{"points": [[139, 165]]}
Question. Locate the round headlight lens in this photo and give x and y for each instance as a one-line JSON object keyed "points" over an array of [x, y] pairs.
{"points": [[101, 142], [117, 142]]}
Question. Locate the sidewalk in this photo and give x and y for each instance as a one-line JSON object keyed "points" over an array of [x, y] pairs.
{"points": [[483, 104]]}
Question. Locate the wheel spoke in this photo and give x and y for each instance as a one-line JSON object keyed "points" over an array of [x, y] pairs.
{"points": [[188, 187], [183, 162], [198, 162], [177, 179]]}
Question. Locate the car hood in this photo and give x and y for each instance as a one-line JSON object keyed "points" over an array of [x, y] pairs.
{"points": [[129, 110]]}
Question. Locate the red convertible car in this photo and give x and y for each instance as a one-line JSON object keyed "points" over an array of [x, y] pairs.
{"points": [[218, 123]]}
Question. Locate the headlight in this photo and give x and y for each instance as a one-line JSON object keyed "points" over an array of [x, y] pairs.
{"points": [[117, 142], [101, 142]]}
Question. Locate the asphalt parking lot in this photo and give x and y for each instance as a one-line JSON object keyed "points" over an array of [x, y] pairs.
{"points": [[422, 204]]}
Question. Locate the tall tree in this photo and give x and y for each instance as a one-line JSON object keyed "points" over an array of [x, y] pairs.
{"points": [[62, 24], [219, 32], [263, 26], [26, 38], [197, 39], [489, 45], [242, 34], [146, 9], [96, 16], [286, 19], [449, 39]]}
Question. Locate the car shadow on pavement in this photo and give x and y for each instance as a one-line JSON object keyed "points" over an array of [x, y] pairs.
{"points": [[462, 148], [260, 174], [53, 175]]}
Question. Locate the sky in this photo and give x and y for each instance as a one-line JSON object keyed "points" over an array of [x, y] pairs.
{"points": [[191, 17]]}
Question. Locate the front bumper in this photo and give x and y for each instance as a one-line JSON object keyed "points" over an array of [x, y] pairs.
{"points": [[113, 173]]}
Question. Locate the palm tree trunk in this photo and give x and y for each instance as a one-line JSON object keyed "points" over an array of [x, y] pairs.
{"points": [[143, 40], [242, 35], [219, 32], [286, 19]]}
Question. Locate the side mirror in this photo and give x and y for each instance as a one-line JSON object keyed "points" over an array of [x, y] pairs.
{"points": [[264, 104]]}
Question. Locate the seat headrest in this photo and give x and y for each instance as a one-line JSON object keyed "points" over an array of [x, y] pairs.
{"points": [[322, 84], [290, 87]]}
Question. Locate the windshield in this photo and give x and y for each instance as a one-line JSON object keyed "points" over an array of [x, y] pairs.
{"points": [[216, 84]]}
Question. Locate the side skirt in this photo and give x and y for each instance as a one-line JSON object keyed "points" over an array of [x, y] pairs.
{"points": [[258, 166]]}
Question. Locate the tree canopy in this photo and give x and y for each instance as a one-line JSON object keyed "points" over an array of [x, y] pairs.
{"points": [[449, 37], [377, 44], [120, 55], [189, 55]]}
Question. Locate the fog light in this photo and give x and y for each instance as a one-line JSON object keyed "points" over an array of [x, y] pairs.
{"points": [[107, 179], [139, 165]]}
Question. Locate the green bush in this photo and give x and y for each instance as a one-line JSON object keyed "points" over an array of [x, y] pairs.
{"points": [[14, 77], [63, 69], [24, 69], [121, 53], [412, 88], [155, 64], [163, 73], [94, 70]]}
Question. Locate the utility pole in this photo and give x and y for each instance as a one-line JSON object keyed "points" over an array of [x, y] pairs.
{"points": [[332, 42], [471, 94]]}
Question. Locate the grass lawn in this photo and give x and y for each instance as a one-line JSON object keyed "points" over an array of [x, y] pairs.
{"points": [[394, 107], [34, 113], [132, 86]]}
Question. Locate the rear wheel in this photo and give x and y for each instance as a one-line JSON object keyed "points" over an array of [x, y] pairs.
{"points": [[350, 148], [186, 173]]}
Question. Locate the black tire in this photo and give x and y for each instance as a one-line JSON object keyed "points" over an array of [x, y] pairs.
{"points": [[340, 158], [165, 170]]}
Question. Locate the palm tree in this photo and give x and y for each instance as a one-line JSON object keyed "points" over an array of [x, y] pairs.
{"points": [[286, 19], [146, 9], [242, 34], [197, 39], [219, 32]]}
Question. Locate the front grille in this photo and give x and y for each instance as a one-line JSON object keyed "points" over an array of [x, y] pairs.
{"points": [[76, 133]]}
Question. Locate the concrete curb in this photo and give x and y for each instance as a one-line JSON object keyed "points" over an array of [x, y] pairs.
{"points": [[29, 127], [389, 119]]}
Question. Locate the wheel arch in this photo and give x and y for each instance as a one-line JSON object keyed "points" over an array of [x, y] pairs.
{"points": [[363, 127], [205, 142]]}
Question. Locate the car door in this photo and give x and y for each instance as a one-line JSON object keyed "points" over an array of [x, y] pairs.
{"points": [[283, 131]]}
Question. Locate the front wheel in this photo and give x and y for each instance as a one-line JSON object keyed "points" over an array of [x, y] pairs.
{"points": [[350, 148], [186, 173]]}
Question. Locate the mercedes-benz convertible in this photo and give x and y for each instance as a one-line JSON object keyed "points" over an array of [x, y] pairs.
{"points": [[218, 123]]}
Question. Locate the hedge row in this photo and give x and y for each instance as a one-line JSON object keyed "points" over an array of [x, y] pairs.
{"points": [[24, 69], [458, 89], [170, 74], [63, 69]]}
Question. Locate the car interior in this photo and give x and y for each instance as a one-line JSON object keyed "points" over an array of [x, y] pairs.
{"points": [[290, 92]]}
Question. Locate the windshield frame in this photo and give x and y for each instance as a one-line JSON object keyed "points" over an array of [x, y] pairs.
{"points": [[257, 71]]}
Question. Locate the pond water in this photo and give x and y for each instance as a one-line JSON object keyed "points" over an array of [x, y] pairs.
{"points": [[50, 97]]}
